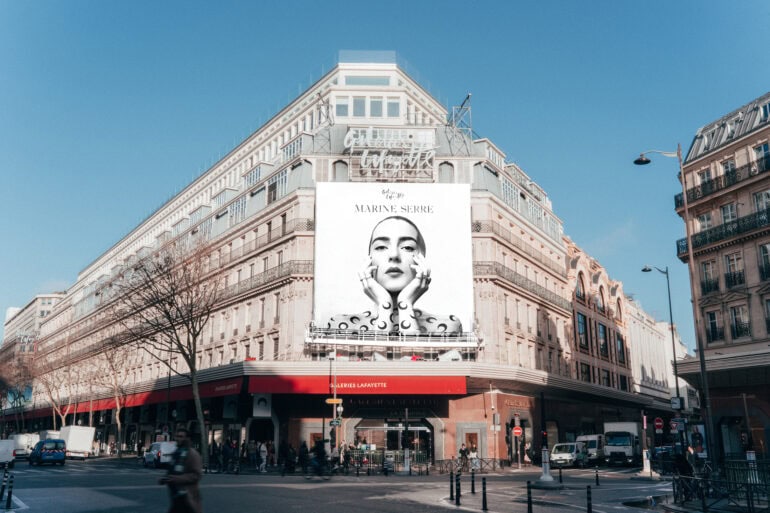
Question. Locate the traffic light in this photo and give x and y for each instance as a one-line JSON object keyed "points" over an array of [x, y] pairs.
{"points": [[545, 438]]}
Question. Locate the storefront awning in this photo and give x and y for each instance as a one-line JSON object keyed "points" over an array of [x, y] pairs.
{"points": [[359, 385]]}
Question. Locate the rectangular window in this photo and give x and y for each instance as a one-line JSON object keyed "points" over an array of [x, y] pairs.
{"points": [[605, 377], [733, 263], [713, 332], [621, 348], [394, 107], [739, 316], [582, 331], [624, 383], [354, 80], [237, 211], [729, 213], [252, 177], [277, 186], [765, 111], [585, 372], [728, 166], [375, 107], [709, 270], [762, 200], [704, 176], [603, 348], [704, 221], [359, 106], [341, 109]]}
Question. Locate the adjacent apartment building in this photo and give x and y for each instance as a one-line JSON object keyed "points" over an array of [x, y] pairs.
{"points": [[727, 182]]}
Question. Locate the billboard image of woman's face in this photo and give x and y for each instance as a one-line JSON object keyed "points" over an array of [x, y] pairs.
{"points": [[395, 288]]}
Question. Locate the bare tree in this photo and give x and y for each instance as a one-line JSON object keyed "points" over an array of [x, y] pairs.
{"points": [[112, 375], [54, 380], [19, 381], [163, 303]]}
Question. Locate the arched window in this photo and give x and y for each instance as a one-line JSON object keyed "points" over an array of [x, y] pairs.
{"points": [[446, 173], [340, 171], [580, 291], [618, 312], [600, 300]]}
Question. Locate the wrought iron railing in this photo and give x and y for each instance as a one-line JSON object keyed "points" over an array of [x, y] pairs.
{"points": [[507, 234], [715, 334], [708, 286], [723, 181], [724, 231], [741, 329], [481, 268], [734, 279]]}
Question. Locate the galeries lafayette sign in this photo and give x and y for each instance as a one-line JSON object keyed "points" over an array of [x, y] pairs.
{"points": [[358, 384], [391, 152]]}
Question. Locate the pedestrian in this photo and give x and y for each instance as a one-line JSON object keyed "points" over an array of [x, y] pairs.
{"points": [[227, 453], [183, 476], [252, 450], [463, 452], [304, 456], [270, 453], [474, 457], [262, 457]]}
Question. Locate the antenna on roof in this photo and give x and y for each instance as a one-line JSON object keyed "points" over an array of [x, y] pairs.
{"points": [[460, 125]]}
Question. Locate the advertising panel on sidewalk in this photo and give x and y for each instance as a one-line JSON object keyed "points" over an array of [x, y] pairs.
{"points": [[393, 258]]}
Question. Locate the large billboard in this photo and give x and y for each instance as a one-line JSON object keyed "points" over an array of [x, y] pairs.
{"points": [[393, 258]]}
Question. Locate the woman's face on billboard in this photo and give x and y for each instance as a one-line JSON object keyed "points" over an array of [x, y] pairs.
{"points": [[392, 250]]}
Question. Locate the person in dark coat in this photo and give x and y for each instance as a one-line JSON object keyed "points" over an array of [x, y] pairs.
{"points": [[183, 476]]}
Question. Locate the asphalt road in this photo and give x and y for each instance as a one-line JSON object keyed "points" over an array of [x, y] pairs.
{"points": [[124, 487]]}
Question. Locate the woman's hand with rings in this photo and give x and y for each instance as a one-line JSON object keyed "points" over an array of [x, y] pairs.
{"points": [[372, 288], [419, 284]]}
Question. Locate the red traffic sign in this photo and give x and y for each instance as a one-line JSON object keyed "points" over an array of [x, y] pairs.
{"points": [[517, 431], [658, 423]]}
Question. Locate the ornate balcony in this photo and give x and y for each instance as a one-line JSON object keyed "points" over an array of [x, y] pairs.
{"points": [[741, 329], [709, 286], [725, 231], [723, 181], [715, 335], [734, 279]]}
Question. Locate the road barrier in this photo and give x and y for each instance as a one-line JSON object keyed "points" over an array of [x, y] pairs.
{"points": [[451, 485], [589, 507], [483, 494], [529, 496], [457, 489], [473, 481], [5, 483], [9, 500]]}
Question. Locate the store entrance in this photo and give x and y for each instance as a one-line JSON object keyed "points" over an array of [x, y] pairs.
{"points": [[389, 435]]}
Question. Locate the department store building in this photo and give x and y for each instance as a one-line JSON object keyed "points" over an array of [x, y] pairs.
{"points": [[289, 213]]}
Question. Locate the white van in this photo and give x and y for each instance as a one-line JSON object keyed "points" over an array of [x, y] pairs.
{"points": [[7, 453], [595, 446], [570, 454], [23, 443]]}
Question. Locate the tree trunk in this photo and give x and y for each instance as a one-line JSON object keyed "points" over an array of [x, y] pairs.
{"points": [[201, 420], [119, 427]]}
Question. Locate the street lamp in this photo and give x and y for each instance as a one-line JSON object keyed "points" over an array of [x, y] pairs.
{"points": [[706, 407], [647, 269], [679, 404]]}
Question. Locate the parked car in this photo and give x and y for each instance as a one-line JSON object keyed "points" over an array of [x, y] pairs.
{"points": [[159, 454], [51, 451], [572, 454]]}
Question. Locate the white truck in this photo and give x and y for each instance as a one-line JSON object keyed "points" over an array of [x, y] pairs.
{"points": [[595, 446], [7, 453], [23, 443], [622, 443], [79, 440], [48, 434]]}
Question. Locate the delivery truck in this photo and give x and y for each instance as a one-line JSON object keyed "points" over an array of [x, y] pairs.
{"points": [[23, 443], [79, 440], [622, 443]]}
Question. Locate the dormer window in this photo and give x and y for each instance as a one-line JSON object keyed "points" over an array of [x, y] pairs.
{"points": [[765, 112]]}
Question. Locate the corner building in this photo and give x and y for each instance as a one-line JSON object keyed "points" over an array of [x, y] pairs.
{"points": [[269, 362]]}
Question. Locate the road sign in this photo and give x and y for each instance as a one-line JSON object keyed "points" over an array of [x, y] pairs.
{"points": [[334, 400], [335, 422], [517, 431], [658, 423], [674, 426]]}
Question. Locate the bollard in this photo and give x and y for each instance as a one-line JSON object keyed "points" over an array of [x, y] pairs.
{"points": [[483, 494], [8, 502], [529, 496], [5, 483], [597, 476], [473, 481], [427, 469], [358, 469], [560, 480], [451, 485], [457, 490], [589, 507]]}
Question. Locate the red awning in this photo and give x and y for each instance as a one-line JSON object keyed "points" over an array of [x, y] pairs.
{"points": [[358, 385]]}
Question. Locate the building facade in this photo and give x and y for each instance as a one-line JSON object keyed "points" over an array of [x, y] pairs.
{"points": [[726, 210], [269, 360]]}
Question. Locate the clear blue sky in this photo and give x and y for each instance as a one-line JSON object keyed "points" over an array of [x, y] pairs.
{"points": [[108, 108]]}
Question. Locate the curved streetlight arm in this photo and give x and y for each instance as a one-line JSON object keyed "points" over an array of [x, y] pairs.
{"points": [[672, 154]]}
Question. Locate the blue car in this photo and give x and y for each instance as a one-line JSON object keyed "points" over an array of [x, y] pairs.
{"points": [[51, 451]]}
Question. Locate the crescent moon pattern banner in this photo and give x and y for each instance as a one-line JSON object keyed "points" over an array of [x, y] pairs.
{"points": [[346, 216]]}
